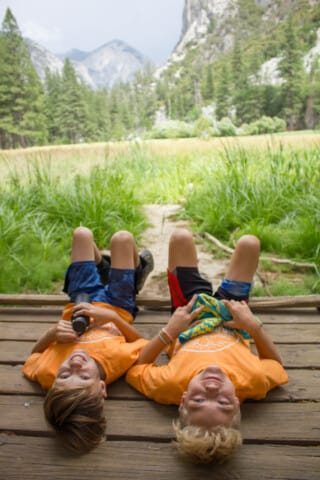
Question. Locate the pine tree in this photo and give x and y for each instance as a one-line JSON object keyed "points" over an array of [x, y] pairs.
{"points": [[73, 111], [312, 93], [223, 91], [117, 130], [207, 86], [22, 120], [240, 98], [53, 102], [291, 69], [97, 124]]}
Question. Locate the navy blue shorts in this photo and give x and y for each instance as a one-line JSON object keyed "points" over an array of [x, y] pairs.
{"points": [[119, 292]]}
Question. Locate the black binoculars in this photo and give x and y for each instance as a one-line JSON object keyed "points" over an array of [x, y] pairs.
{"points": [[81, 323]]}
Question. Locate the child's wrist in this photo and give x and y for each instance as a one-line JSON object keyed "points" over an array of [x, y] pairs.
{"points": [[165, 337], [53, 333], [257, 325]]}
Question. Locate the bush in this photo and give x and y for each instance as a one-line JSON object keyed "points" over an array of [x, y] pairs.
{"points": [[203, 127], [225, 128], [264, 125], [171, 129]]}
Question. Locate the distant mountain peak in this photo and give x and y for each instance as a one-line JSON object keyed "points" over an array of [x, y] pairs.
{"points": [[112, 62], [74, 54]]}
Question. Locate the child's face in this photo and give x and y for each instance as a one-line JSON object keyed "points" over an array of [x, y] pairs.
{"points": [[210, 399], [79, 370]]}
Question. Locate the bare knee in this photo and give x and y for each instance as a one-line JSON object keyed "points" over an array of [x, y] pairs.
{"points": [[121, 237], [82, 233], [249, 243], [181, 236]]}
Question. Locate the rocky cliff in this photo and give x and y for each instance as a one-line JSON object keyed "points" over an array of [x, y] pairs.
{"points": [[214, 24]]}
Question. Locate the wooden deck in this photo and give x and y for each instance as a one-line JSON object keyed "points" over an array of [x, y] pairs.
{"points": [[281, 433]]}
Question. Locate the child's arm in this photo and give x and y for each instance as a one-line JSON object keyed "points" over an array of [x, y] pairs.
{"points": [[62, 332], [178, 322], [101, 316], [244, 319]]}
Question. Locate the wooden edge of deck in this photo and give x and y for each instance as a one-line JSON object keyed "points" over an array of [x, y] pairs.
{"points": [[164, 302]]}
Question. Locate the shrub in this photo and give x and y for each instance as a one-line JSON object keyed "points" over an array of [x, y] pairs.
{"points": [[225, 128], [264, 125], [203, 127], [171, 129]]}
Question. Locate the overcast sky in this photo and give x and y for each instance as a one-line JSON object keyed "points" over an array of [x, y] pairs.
{"points": [[151, 26]]}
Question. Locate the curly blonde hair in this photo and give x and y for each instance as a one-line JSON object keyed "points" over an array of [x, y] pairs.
{"points": [[77, 416], [203, 446]]}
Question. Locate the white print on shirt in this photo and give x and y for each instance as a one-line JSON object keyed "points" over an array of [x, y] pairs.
{"points": [[217, 341], [105, 332]]}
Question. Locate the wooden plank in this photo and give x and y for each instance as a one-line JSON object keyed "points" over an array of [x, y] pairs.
{"points": [[281, 434], [267, 422], [303, 385], [25, 458], [53, 314], [293, 356], [279, 333], [158, 302]]}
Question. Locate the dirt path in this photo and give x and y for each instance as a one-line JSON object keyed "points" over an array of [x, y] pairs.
{"points": [[156, 238]]}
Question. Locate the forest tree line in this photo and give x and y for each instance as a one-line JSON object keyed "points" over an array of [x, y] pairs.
{"points": [[64, 110]]}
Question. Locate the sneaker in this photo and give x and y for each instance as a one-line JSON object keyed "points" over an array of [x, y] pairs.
{"points": [[104, 268], [142, 271]]}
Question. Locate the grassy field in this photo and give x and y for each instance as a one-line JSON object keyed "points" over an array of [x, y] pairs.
{"points": [[267, 185]]}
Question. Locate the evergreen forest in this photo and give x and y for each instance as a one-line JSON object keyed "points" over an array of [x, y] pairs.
{"points": [[62, 110]]}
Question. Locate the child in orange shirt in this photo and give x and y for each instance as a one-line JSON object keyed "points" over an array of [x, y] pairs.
{"points": [[211, 374], [76, 367]]}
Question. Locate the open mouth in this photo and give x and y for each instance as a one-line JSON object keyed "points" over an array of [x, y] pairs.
{"points": [[80, 354]]}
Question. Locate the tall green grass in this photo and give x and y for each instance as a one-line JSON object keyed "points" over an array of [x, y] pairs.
{"points": [[271, 192], [39, 212]]}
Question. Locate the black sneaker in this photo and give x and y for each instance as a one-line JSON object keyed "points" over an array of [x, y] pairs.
{"points": [[142, 271], [104, 268]]}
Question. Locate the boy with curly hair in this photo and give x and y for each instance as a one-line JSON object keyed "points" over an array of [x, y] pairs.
{"points": [[210, 372], [76, 367]]}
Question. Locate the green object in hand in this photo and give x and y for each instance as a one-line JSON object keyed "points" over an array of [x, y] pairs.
{"points": [[213, 313]]}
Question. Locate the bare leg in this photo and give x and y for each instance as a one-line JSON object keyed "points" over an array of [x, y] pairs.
{"points": [[97, 254], [245, 259], [182, 250], [124, 253], [83, 246]]}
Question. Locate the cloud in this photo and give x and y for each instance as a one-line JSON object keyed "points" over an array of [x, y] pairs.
{"points": [[40, 34]]}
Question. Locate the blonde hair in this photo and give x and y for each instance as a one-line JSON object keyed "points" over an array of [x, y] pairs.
{"points": [[203, 446], [77, 416]]}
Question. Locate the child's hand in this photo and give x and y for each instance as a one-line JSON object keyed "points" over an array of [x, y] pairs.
{"points": [[242, 316], [64, 332], [98, 316], [182, 318], [83, 308]]}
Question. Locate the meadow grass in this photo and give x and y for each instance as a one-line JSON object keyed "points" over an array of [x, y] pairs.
{"points": [[268, 186]]}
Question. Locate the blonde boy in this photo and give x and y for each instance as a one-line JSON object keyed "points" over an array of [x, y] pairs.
{"points": [[209, 375]]}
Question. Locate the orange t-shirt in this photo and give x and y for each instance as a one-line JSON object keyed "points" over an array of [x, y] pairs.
{"points": [[106, 344], [251, 376]]}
